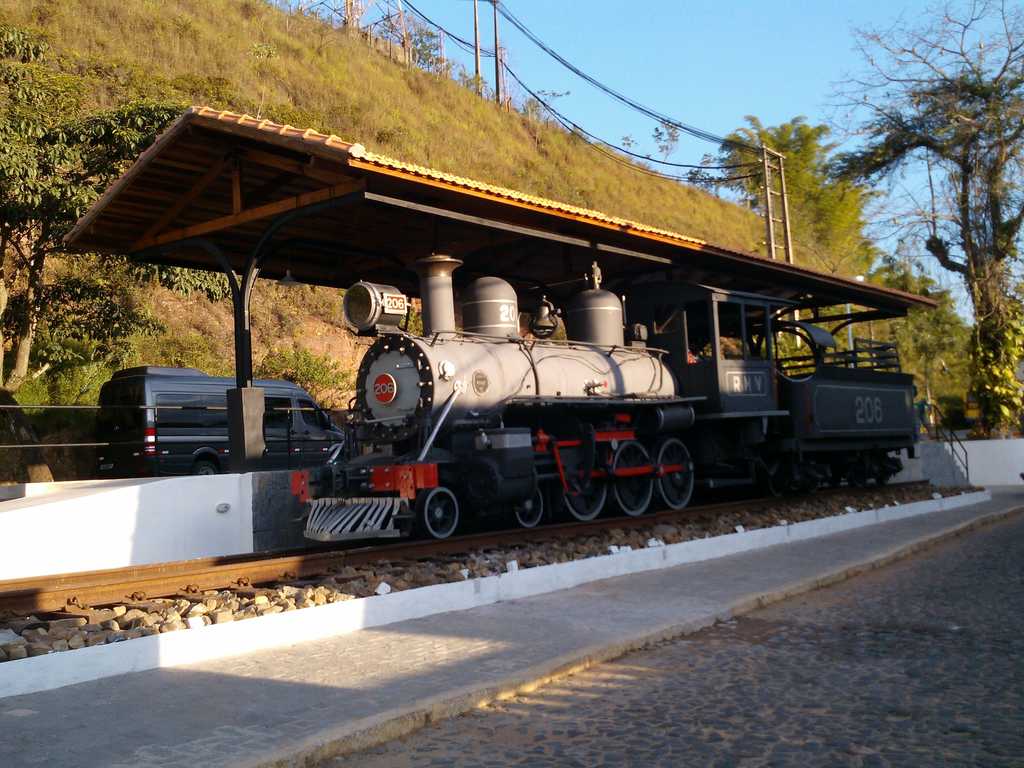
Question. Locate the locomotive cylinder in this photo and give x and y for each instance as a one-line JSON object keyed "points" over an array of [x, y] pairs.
{"points": [[490, 307], [436, 292], [665, 418], [595, 317]]}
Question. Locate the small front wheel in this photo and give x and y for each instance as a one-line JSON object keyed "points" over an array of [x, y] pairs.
{"points": [[530, 512], [437, 513]]}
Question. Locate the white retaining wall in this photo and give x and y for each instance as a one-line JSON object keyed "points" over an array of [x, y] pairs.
{"points": [[216, 641], [996, 462], [90, 525]]}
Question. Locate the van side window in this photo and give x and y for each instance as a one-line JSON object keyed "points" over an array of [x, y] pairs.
{"points": [[191, 411], [730, 330], [124, 414], [277, 416], [310, 414]]}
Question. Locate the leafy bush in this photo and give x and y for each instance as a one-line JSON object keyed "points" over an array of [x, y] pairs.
{"points": [[319, 375], [189, 350], [213, 285]]}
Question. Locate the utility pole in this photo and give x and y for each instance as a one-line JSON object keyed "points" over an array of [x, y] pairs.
{"points": [[443, 67], [405, 34], [497, 56], [476, 45]]}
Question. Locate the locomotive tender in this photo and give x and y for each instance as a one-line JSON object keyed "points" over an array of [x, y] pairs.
{"points": [[695, 387]]}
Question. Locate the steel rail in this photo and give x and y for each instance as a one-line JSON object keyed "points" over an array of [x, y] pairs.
{"points": [[137, 583]]}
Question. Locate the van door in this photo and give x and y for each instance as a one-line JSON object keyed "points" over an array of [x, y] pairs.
{"points": [[313, 434], [277, 415], [191, 427]]}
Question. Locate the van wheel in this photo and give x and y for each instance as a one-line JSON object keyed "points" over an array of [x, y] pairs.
{"points": [[204, 467]]}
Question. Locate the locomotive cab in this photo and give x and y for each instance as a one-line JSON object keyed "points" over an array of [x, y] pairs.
{"points": [[719, 344]]}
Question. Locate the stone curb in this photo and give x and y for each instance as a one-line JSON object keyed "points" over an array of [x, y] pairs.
{"points": [[372, 731]]}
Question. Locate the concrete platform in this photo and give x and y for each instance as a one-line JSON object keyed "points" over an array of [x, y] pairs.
{"points": [[290, 706]]}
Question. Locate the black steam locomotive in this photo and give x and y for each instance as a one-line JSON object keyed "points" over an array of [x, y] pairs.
{"points": [[700, 386]]}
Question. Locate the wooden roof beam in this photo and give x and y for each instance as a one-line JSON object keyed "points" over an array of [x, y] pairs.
{"points": [[307, 169], [172, 213], [252, 214]]}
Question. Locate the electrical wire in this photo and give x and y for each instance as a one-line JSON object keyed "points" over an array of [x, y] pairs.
{"points": [[601, 145], [466, 44], [664, 119], [580, 129]]}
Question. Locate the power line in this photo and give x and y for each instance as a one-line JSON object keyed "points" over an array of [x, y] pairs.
{"points": [[665, 119], [602, 145], [465, 44], [572, 126]]}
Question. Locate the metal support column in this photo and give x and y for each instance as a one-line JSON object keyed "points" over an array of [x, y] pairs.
{"points": [[245, 402]]}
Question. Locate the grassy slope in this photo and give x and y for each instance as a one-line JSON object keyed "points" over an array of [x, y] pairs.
{"points": [[199, 51]]}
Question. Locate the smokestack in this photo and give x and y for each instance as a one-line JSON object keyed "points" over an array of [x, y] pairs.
{"points": [[436, 293]]}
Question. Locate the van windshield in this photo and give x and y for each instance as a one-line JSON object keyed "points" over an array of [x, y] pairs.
{"points": [[121, 413]]}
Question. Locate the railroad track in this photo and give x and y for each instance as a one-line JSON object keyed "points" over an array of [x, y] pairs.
{"points": [[75, 591]]}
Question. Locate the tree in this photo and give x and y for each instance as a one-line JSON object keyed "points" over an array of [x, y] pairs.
{"points": [[927, 339], [945, 103], [827, 215], [666, 137], [55, 157]]}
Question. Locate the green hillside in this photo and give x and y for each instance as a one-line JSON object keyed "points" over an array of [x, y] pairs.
{"points": [[233, 54]]}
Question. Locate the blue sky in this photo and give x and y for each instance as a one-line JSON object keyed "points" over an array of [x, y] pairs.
{"points": [[705, 63]]}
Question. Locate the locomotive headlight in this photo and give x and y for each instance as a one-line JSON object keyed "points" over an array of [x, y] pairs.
{"points": [[369, 305]]}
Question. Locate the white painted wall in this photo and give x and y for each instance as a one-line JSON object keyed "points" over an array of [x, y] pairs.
{"points": [[996, 462], [85, 525]]}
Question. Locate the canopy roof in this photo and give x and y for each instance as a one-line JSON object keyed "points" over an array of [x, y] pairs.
{"points": [[339, 213]]}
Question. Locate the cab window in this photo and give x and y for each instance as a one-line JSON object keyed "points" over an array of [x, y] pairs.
{"points": [[756, 321], [730, 330]]}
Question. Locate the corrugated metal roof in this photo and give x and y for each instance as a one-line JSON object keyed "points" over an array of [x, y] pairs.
{"points": [[356, 151]]}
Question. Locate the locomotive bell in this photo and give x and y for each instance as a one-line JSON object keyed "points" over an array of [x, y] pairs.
{"points": [[368, 305], [490, 307]]}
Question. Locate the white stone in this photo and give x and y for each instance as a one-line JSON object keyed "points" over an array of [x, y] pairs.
{"points": [[383, 588], [740, 529], [655, 543], [851, 510], [613, 549], [464, 573], [512, 566], [783, 522], [195, 622], [10, 636], [936, 495]]}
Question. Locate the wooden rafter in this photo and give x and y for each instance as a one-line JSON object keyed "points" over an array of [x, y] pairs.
{"points": [[172, 213], [253, 214], [236, 187], [308, 169]]}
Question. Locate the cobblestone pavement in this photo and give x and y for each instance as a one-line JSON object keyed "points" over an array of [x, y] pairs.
{"points": [[918, 664]]}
